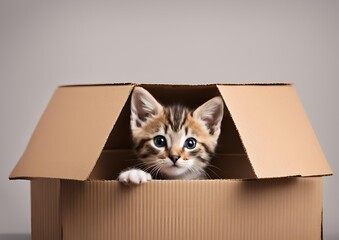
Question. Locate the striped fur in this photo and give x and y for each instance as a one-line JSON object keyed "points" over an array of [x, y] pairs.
{"points": [[179, 126]]}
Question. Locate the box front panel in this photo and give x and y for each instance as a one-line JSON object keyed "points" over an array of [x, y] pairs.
{"points": [[45, 204], [207, 209]]}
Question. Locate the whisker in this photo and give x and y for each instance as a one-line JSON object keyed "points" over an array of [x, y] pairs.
{"points": [[195, 171], [211, 165], [131, 159], [154, 171], [207, 175], [150, 168], [139, 165], [210, 169], [158, 171]]}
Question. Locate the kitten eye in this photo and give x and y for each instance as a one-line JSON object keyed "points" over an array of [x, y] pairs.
{"points": [[190, 143], [160, 141]]}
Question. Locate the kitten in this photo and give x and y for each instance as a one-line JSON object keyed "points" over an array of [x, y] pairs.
{"points": [[172, 142]]}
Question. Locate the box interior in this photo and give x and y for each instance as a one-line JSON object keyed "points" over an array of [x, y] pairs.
{"points": [[230, 162]]}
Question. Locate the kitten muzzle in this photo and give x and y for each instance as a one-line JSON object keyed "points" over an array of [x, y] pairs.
{"points": [[174, 158]]}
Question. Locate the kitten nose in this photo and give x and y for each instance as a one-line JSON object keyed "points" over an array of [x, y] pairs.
{"points": [[174, 158]]}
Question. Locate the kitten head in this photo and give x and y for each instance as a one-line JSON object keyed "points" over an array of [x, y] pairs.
{"points": [[173, 141]]}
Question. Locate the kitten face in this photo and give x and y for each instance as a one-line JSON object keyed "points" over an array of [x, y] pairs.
{"points": [[173, 141]]}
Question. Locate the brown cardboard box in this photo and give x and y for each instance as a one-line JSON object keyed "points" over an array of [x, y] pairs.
{"points": [[266, 180]]}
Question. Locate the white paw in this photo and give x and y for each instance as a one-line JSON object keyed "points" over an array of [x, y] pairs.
{"points": [[134, 176]]}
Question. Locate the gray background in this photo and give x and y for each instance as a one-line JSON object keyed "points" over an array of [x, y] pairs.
{"points": [[44, 44]]}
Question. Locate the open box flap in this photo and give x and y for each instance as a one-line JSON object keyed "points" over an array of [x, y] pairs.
{"points": [[78, 121], [275, 131], [72, 132]]}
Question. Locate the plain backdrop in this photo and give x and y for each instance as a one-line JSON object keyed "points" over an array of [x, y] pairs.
{"points": [[44, 44]]}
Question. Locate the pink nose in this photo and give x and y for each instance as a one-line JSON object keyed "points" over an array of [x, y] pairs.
{"points": [[174, 158]]}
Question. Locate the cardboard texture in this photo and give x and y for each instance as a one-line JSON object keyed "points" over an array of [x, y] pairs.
{"points": [[266, 180]]}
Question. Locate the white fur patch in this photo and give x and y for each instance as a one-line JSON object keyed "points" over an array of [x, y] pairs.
{"points": [[134, 176]]}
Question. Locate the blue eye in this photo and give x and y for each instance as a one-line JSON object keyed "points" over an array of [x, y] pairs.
{"points": [[160, 141], [190, 143]]}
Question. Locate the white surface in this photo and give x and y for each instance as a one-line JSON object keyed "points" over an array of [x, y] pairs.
{"points": [[44, 44]]}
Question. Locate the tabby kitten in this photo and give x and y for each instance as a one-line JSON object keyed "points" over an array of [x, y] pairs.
{"points": [[172, 142]]}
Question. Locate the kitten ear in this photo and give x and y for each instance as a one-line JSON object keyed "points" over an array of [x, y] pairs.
{"points": [[211, 113], [143, 105]]}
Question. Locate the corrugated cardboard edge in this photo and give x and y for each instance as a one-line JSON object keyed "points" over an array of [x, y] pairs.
{"points": [[199, 209], [46, 221], [86, 209], [177, 85]]}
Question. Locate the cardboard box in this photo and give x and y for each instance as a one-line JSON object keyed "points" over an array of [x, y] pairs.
{"points": [[267, 179]]}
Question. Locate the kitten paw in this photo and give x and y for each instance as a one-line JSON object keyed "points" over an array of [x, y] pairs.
{"points": [[134, 176]]}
